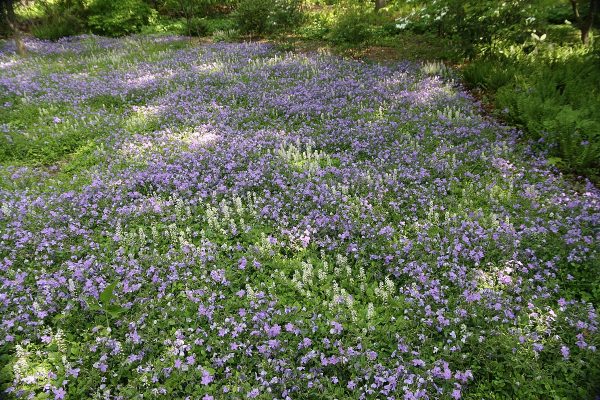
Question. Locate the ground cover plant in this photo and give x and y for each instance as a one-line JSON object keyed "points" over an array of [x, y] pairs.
{"points": [[231, 221], [535, 63]]}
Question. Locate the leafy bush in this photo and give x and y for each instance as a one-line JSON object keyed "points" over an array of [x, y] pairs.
{"points": [[220, 24], [286, 14], [352, 27], [317, 26], [196, 27], [55, 27], [267, 16], [251, 15], [116, 18], [200, 8], [471, 22]]}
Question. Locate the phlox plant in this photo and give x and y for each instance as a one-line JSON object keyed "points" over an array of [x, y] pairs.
{"points": [[241, 222]]}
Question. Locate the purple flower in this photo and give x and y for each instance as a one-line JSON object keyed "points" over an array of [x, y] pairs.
{"points": [[336, 328], [272, 331], [207, 377], [59, 393], [564, 350], [306, 342], [418, 362]]}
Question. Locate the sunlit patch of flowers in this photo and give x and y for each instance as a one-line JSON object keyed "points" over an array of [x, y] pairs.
{"points": [[271, 225]]}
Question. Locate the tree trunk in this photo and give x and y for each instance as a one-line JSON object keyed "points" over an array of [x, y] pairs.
{"points": [[587, 25], [575, 7], [11, 19], [379, 4]]}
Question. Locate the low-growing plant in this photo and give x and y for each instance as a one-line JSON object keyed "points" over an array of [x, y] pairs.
{"points": [[228, 35], [239, 221], [549, 90]]}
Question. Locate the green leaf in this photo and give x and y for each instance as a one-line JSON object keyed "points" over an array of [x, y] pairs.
{"points": [[107, 294], [115, 310], [555, 161]]}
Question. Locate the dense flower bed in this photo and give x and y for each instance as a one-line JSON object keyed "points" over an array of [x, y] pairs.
{"points": [[260, 224]]}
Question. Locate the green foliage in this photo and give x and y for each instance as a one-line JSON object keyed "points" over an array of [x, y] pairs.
{"points": [[115, 18], [558, 12], [198, 8], [267, 16], [165, 25], [505, 369], [58, 26], [196, 26], [251, 15], [352, 27], [52, 20], [317, 26], [553, 92], [471, 22], [227, 35], [6, 364], [202, 26], [220, 24]]}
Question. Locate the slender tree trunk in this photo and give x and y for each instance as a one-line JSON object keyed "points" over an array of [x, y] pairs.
{"points": [[11, 19], [587, 25], [379, 4], [575, 7]]}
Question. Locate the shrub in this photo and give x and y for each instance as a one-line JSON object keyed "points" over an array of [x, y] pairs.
{"points": [[286, 14], [267, 16], [201, 8], [55, 27], [220, 24], [196, 27], [352, 27], [317, 27], [116, 18], [488, 75], [471, 22], [251, 15]]}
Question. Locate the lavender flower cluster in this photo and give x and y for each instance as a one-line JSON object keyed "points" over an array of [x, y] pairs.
{"points": [[262, 224]]}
